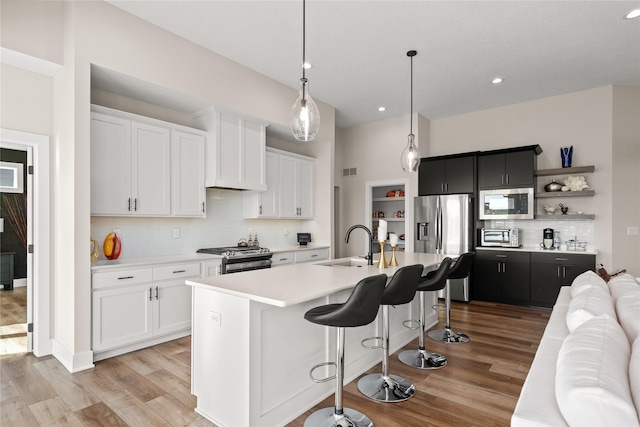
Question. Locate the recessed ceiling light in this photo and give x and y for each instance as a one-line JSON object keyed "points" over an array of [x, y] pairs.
{"points": [[497, 80], [632, 14], [382, 108], [306, 66]]}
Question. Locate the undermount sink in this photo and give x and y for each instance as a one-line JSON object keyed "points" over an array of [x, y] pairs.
{"points": [[351, 262]]}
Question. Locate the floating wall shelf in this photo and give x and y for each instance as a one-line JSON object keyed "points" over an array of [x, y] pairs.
{"points": [[564, 171], [556, 194], [560, 217]]}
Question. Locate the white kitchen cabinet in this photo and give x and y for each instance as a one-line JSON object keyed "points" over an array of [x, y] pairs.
{"points": [[282, 258], [310, 255], [130, 167], [136, 308], [235, 153], [296, 189], [187, 174], [145, 167], [264, 204], [211, 268]]}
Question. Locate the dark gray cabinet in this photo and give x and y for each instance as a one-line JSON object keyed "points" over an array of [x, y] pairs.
{"points": [[502, 276], [507, 169], [447, 175], [550, 271], [6, 270]]}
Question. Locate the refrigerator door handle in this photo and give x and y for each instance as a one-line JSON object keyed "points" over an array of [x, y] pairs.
{"points": [[440, 229]]}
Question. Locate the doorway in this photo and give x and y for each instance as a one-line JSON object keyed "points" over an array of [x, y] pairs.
{"points": [[37, 220]]}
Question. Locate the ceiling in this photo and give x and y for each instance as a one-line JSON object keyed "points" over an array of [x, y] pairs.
{"points": [[358, 49]]}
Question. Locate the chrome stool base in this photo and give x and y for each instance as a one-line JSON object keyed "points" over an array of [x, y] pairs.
{"points": [[448, 336], [422, 359], [327, 417], [390, 389]]}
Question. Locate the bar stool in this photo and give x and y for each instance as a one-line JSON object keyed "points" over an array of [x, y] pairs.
{"points": [[459, 270], [401, 289], [421, 358], [360, 309]]}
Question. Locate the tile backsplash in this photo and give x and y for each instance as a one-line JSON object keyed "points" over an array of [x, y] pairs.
{"points": [[223, 226], [532, 230]]}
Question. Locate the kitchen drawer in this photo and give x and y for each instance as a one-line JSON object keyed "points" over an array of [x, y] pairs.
{"points": [[511, 256], [176, 271], [312, 255], [121, 277], [564, 258], [282, 258]]}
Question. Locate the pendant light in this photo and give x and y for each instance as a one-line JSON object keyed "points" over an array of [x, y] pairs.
{"points": [[305, 116], [410, 158]]}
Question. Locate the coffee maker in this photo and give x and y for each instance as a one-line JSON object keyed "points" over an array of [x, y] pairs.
{"points": [[547, 238]]}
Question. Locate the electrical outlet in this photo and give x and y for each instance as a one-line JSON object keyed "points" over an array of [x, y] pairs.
{"points": [[216, 318], [632, 231], [286, 231], [176, 233]]}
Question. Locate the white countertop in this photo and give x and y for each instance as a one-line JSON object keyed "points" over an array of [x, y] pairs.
{"points": [[107, 265], [539, 250], [297, 283], [295, 248]]}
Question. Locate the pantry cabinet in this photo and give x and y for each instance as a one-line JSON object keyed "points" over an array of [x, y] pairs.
{"points": [[137, 307], [235, 153], [144, 167], [290, 188]]}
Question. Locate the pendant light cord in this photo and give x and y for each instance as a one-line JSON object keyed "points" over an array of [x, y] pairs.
{"points": [[411, 108], [304, 31]]}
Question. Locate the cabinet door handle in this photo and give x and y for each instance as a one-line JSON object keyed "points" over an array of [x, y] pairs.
{"points": [[446, 187], [202, 207], [125, 277], [135, 204], [260, 209], [564, 271], [442, 187], [156, 292], [501, 179], [150, 295], [129, 204], [559, 271], [504, 267], [507, 178], [499, 267], [179, 271]]}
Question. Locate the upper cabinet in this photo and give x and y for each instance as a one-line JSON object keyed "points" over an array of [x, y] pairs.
{"points": [[132, 169], [447, 175], [235, 153], [290, 188], [512, 168]]}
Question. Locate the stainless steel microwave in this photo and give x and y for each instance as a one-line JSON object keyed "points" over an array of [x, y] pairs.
{"points": [[507, 203], [504, 237]]}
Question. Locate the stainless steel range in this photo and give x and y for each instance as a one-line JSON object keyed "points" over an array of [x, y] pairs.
{"points": [[236, 258]]}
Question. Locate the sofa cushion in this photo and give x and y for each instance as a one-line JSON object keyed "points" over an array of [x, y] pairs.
{"points": [[623, 284], [587, 280], [592, 376], [587, 304], [628, 313], [634, 373]]}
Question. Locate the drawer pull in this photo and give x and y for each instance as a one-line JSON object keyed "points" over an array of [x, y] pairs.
{"points": [[179, 271], [561, 259], [125, 277], [313, 256], [283, 259], [501, 256]]}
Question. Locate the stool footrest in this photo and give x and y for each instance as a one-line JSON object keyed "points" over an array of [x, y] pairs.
{"points": [[439, 307], [410, 324], [320, 365], [371, 347]]}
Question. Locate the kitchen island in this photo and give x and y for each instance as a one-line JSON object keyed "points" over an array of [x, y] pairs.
{"points": [[252, 349]]}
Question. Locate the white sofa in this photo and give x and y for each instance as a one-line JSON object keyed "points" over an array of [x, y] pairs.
{"points": [[586, 371]]}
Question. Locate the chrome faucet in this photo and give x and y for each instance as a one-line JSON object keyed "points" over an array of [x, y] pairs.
{"points": [[369, 256]]}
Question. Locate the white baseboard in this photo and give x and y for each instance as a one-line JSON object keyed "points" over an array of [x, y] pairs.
{"points": [[19, 283], [74, 362]]}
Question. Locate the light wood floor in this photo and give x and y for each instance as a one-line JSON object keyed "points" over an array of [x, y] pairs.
{"points": [[13, 320], [150, 387]]}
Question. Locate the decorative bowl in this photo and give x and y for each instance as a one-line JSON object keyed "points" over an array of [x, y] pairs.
{"points": [[575, 245], [553, 186], [549, 209]]}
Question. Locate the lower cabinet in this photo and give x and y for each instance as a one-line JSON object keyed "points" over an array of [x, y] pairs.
{"points": [[551, 271], [139, 307], [502, 276], [296, 257]]}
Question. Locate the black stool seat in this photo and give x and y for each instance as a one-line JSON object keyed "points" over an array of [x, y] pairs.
{"points": [[459, 270], [421, 358], [361, 308], [384, 387]]}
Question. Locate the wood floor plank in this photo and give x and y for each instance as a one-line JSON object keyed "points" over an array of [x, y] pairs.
{"points": [[31, 386], [72, 391], [134, 383], [173, 385], [99, 415], [15, 412], [173, 410], [54, 412], [135, 413]]}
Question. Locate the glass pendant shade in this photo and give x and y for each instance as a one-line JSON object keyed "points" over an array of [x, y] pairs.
{"points": [[410, 158], [305, 116]]}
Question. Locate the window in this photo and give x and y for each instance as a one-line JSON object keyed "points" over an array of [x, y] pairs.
{"points": [[11, 177]]}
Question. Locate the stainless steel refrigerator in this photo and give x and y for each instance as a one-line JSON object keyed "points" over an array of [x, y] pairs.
{"points": [[444, 226]]}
